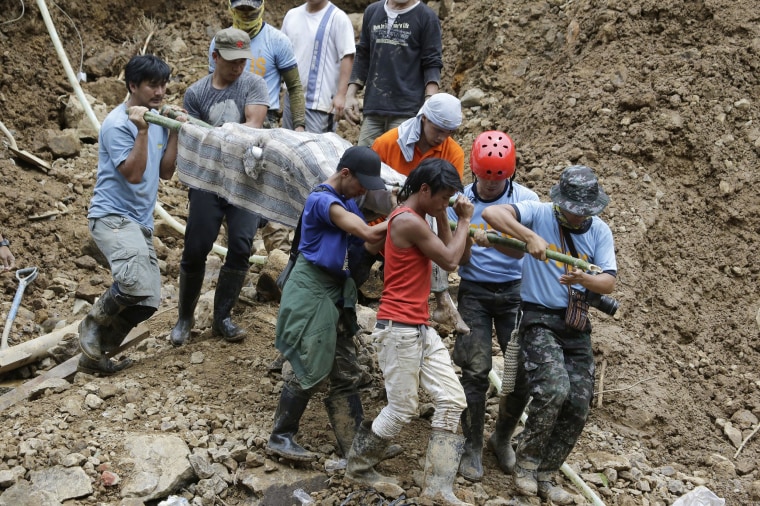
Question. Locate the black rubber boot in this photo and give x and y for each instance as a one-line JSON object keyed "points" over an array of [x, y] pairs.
{"points": [[103, 367], [286, 421], [115, 334], [443, 454], [95, 324], [367, 450], [500, 441], [346, 414], [227, 292], [473, 420], [189, 291]]}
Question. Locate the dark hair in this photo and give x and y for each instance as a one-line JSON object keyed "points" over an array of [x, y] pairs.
{"points": [[437, 173], [146, 67]]}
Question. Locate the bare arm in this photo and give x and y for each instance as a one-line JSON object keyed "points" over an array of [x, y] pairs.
{"points": [[352, 105], [255, 114], [355, 225], [410, 230], [134, 166], [504, 219], [601, 283], [339, 100]]}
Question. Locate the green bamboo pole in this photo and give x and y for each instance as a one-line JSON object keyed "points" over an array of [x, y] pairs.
{"points": [[173, 113], [519, 245], [157, 119]]}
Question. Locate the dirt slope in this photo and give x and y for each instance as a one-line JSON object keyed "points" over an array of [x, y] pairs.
{"points": [[659, 97]]}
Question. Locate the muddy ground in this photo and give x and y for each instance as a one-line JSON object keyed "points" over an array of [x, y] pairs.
{"points": [[660, 97]]}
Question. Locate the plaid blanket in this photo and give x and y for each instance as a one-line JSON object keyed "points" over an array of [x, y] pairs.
{"points": [[223, 161]]}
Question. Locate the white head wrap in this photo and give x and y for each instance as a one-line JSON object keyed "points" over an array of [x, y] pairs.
{"points": [[442, 109]]}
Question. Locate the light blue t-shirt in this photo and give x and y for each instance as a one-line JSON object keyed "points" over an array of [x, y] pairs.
{"points": [[540, 284], [488, 265], [271, 55], [113, 194]]}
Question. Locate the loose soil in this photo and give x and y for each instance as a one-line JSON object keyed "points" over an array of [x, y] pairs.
{"points": [[659, 97]]}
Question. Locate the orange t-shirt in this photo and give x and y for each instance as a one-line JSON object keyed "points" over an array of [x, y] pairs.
{"points": [[390, 153]]}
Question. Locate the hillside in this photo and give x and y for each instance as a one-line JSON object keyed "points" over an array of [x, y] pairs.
{"points": [[660, 98]]}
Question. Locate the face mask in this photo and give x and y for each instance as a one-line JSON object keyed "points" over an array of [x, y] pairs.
{"points": [[582, 228], [249, 21]]}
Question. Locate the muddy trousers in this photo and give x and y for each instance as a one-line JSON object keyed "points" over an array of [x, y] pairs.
{"points": [[413, 356], [559, 374], [484, 307]]}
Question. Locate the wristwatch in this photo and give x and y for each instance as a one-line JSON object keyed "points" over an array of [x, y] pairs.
{"points": [[5, 242]]}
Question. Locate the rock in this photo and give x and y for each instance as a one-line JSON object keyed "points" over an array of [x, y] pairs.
{"points": [[744, 419], [733, 434], [603, 460], [161, 466], [390, 490], [64, 144], [24, 494], [88, 292], [473, 97], [63, 482], [53, 384], [109, 479], [75, 118]]}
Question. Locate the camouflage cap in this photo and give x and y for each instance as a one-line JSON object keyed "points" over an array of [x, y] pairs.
{"points": [[578, 192]]}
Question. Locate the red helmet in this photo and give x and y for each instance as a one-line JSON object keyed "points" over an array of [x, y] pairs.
{"points": [[493, 156]]}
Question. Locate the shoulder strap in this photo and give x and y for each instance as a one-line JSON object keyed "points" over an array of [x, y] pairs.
{"points": [[297, 234]]}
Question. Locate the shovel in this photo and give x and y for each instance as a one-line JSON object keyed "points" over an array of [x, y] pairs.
{"points": [[24, 276], [22, 154]]}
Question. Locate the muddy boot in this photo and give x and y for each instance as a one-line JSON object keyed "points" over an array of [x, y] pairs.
{"points": [[286, 421], [446, 312], [441, 462], [500, 441], [95, 324], [189, 291], [277, 363], [548, 491], [525, 480], [345, 414], [227, 292], [103, 367], [115, 335], [367, 450], [473, 420]]}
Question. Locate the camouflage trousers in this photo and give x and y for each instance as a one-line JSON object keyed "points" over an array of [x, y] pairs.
{"points": [[484, 307], [557, 369]]}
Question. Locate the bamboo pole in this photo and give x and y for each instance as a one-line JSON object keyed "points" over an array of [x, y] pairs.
{"points": [[519, 245], [174, 114]]}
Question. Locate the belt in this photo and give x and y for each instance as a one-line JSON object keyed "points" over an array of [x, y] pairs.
{"points": [[538, 308], [384, 324]]}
